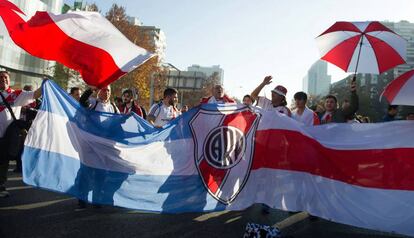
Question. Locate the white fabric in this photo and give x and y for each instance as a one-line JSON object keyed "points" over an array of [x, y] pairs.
{"points": [[25, 97], [163, 114], [341, 202], [361, 25], [405, 94], [101, 106], [328, 41], [154, 158], [214, 100], [307, 117], [397, 43], [266, 104], [93, 29], [367, 59]]}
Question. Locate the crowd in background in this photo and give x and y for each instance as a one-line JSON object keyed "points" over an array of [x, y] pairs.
{"points": [[167, 109]]}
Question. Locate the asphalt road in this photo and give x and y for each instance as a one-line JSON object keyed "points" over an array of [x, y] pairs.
{"points": [[32, 212]]}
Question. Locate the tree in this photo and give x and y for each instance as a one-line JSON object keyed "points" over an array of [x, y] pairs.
{"points": [[93, 8]]}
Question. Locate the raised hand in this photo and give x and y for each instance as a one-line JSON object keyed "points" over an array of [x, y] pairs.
{"points": [[353, 86], [267, 80]]}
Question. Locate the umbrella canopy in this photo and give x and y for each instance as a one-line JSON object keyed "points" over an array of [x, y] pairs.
{"points": [[400, 90], [362, 47]]}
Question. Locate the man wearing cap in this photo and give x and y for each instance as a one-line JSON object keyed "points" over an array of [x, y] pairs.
{"points": [[15, 99], [278, 101], [218, 96]]}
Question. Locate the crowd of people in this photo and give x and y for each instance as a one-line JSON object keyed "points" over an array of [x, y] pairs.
{"points": [[16, 106]]}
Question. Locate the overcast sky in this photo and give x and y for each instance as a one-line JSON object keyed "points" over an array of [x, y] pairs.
{"points": [[251, 39]]}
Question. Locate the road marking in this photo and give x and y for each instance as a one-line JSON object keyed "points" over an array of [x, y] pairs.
{"points": [[233, 219], [207, 216], [15, 179], [298, 217], [18, 188], [35, 205]]}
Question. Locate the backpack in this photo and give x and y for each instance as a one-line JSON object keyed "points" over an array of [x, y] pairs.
{"points": [[15, 135]]}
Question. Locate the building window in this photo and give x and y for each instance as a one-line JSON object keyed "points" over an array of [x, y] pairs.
{"points": [[374, 79], [363, 81]]}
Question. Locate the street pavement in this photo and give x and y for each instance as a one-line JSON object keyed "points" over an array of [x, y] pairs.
{"points": [[32, 212]]}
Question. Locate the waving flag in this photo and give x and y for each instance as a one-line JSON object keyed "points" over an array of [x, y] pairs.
{"points": [[84, 41], [225, 157]]}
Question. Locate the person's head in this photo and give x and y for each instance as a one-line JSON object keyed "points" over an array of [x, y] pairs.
{"points": [[300, 99], [4, 80], [28, 88], [118, 101], [218, 91], [104, 93], [410, 116], [75, 92], [392, 110], [171, 96], [127, 96], [279, 96], [184, 108], [330, 103], [248, 100]]}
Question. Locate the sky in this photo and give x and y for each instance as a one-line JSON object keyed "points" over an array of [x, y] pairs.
{"points": [[252, 39]]}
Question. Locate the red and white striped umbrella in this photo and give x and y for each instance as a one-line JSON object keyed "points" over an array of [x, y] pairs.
{"points": [[362, 47], [400, 91]]}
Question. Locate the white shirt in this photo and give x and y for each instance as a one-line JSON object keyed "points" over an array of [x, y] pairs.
{"points": [[17, 101], [266, 104], [308, 117], [101, 106], [163, 114], [214, 100]]}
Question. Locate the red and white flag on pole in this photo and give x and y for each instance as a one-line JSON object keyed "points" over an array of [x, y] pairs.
{"points": [[84, 41]]}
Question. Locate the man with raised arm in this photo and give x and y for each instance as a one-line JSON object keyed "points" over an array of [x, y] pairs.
{"points": [[278, 102]]}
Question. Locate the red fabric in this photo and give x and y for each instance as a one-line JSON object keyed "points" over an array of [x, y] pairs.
{"points": [[135, 108], [12, 95], [375, 168], [387, 57], [212, 176], [316, 120], [376, 26], [327, 118], [341, 54], [341, 26], [58, 46]]}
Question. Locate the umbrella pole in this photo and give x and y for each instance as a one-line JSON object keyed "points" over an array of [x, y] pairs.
{"points": [[359, 54]]}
